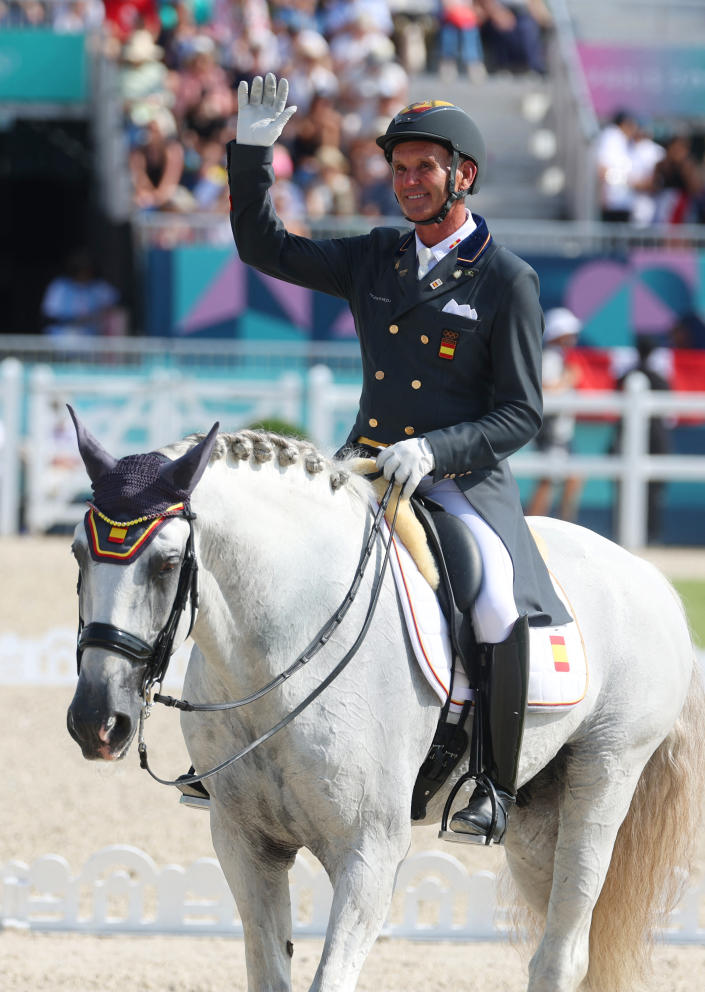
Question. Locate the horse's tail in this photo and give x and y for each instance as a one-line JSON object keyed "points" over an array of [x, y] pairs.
{"points": [[654, 852]]}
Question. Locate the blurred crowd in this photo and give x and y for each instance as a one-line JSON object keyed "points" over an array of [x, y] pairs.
{"points": [[348, 63], [643, 181]]}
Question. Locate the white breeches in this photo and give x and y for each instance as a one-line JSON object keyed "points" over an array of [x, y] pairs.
{"points": [[495, 612]]}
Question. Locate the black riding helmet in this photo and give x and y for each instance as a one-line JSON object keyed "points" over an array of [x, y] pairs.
{"points": [[448, 125]]}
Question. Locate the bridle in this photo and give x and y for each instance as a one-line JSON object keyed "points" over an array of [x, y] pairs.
{"points": [[157, 656]]}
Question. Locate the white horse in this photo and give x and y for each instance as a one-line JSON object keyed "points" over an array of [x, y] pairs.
{"points": [[601, 847]]}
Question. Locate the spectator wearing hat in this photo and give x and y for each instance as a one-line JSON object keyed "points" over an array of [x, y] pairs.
{"points": [[144, 78], [556, 434]]}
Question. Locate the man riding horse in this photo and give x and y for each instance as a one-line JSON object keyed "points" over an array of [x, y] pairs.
{"points": [[450, 329]]}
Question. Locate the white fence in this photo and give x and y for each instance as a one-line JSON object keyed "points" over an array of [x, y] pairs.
{"points": [[120, 889], [139, 412]]}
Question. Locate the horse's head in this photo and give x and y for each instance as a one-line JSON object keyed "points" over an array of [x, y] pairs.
{"points": [[137, 585]]}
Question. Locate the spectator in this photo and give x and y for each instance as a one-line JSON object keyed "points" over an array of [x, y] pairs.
{"points": [[321, 127], [125, 17], [144, 79], [353, 44], [157, 160], [310, 71], [645, 154], [333, 192], [688, 331], [80, 303], [614, 167], [78, 16], [513, 32], [679, 185], [556, 434], [370, 172], [460, 44], [415, 24], [201, 87]]}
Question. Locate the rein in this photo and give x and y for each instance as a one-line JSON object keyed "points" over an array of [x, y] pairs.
{"points": [[314, 646]]}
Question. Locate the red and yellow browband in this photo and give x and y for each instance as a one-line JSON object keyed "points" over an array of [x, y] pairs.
{"points": [[127, 537]]}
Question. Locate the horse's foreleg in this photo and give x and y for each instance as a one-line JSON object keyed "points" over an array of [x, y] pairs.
{"points": [[363, 883], [259, 882], [592, 808]]}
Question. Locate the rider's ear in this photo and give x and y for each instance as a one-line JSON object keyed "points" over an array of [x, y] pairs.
{"points": [[185, 473], [95, 457]]}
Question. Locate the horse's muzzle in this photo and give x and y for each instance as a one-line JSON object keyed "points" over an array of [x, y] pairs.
{"points": [[107, 740], [101, 725]]}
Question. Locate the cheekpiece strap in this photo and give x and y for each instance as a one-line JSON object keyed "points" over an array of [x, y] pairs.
{"points": [[121, 541]]}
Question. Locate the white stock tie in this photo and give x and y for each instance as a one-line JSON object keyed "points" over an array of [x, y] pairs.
{"points": [[425, 260]]}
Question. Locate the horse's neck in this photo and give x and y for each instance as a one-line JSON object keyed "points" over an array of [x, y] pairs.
{"points": [[276, 558]]}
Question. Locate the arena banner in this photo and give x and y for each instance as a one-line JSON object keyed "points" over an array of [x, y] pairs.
{"points": [[651, 81], [39, 66], [206, 291]]}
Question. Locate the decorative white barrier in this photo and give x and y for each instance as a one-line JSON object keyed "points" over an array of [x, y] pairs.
{"points": [[120, 890]]}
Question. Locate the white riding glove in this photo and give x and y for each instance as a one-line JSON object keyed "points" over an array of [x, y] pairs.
{"points": [[407, 462], [262, 113]]}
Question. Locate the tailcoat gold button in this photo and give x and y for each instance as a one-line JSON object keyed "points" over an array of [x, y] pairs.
{"points": [[372, 422], [379, 375], [416, 384], [393, 328], [424, 339], [408, 430]]}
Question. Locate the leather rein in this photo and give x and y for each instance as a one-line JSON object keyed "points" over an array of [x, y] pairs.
{"points": [[157, 656]]}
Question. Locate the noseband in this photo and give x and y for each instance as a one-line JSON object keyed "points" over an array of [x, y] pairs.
{"points": [[155, 656]]}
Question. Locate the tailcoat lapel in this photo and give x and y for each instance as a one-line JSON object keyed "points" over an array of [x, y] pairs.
{"points": [[443, 278]]}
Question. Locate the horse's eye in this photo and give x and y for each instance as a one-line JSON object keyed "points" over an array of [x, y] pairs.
{"points": [[167, 566]]}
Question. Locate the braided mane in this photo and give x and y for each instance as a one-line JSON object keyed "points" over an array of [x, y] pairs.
{"points": [[259, 446]]}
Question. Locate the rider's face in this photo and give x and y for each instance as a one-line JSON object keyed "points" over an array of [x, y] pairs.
{"points": [[420, 170]]}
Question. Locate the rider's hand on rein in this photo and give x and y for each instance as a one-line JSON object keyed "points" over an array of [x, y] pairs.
{"points": [[407, 462]]}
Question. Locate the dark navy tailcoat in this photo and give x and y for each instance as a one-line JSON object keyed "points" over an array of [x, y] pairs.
{"points": [[471, 385]]}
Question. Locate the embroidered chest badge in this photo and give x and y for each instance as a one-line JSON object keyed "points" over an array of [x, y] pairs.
{"points": [[449, 342], [436, 283]]}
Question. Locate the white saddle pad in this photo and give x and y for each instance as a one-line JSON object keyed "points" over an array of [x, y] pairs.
{"points": [[558, 676]]}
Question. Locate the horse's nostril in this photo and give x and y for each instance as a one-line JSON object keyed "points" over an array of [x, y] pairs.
{"points": [[121, 729], [107, 729]]}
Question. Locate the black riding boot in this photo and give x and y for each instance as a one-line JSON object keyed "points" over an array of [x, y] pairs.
{"points": [[504, 697]]}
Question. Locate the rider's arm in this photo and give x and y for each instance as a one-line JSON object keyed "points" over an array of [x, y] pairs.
{"points": [[262, 240]]}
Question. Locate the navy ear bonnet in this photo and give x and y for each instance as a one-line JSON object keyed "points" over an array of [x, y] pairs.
{"points": [[130, 504], [137, 487], [135, 495]]}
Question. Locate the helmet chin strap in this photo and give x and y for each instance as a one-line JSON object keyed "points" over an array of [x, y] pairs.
{"points": [[453, 196]]}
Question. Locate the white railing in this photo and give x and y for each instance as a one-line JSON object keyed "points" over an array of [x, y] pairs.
{"points": [[126, 413], [144, 411], [633, 468], [121, 889]]}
